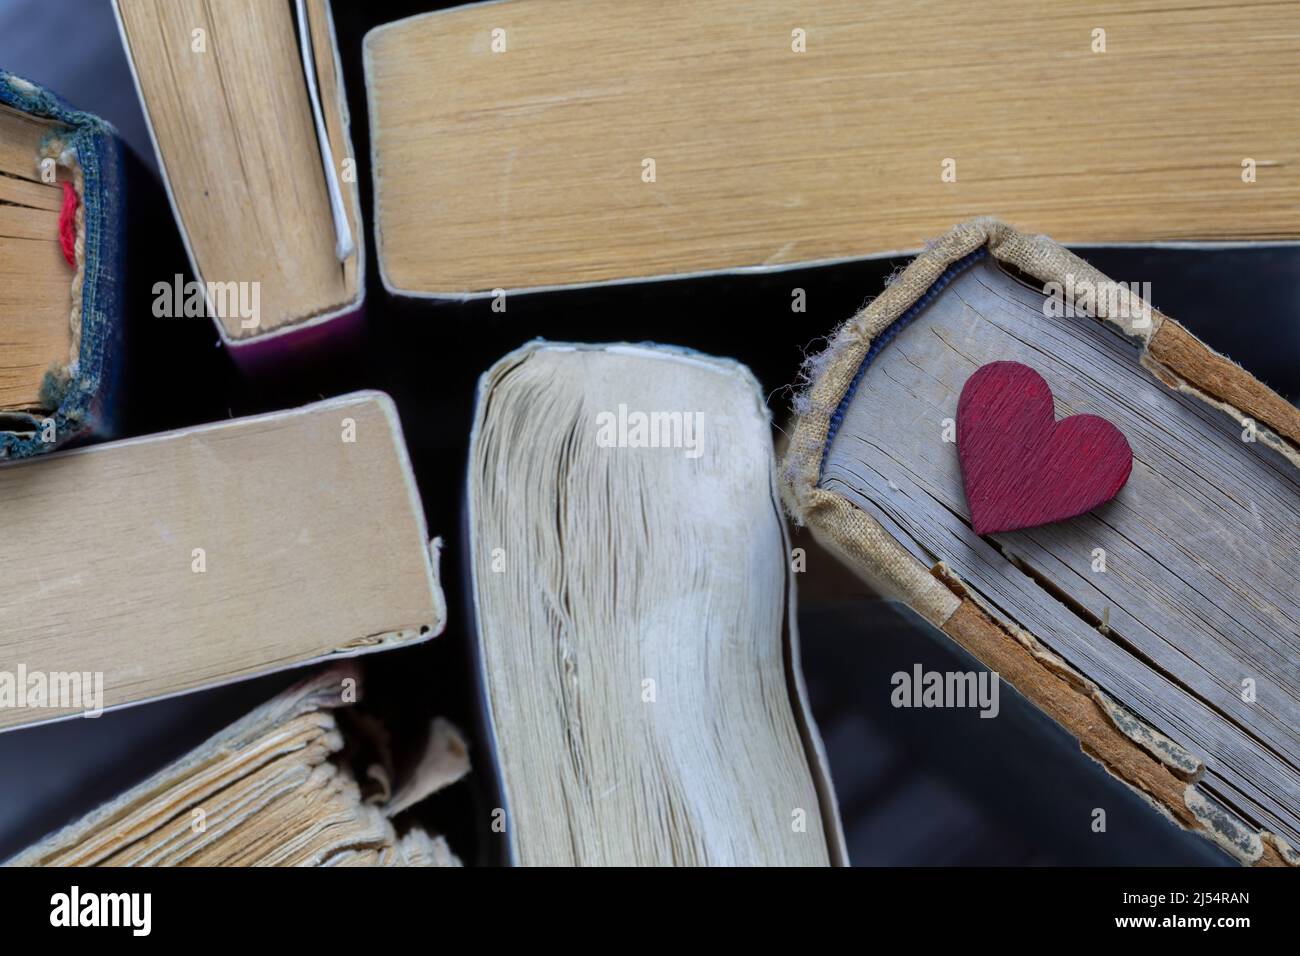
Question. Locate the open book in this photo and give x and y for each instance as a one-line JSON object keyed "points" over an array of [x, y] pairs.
{"points": [[149, 567], [270, 790], [528, 144], [1161, 628], [245, 105], [635, 614], [60, 270]]}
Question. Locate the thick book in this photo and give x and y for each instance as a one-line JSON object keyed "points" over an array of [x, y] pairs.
{"points": [[634, 609], [527, 144], [149, 567], [61, 209], [1160, 628], [245, 106], [284, 786]]}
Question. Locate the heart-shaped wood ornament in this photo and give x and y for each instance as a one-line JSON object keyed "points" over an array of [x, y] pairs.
{"points": [[1020, 466]]}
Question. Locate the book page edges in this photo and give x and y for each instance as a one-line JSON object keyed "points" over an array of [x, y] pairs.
{"points": [[353, 199], [446, 763], [344, 244], [749, 270], [1137, 754], [758, 268], [432, 551], [53, 148], [87, 148], [814, 749], [320, 692]]}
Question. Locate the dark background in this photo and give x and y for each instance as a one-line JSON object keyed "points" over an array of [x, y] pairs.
{"points": [[915, 787]]}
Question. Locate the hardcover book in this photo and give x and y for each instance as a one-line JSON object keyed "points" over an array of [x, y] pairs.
{"points": [[150, 567], [526, 144], [245, 105], [1160, 628], [61, 208], [635, 615]]}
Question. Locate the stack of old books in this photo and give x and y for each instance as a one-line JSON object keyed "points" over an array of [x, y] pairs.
{"points": [[630, 581]]}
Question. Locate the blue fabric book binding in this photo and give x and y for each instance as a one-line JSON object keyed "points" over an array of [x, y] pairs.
{"points": [[76, 396]]}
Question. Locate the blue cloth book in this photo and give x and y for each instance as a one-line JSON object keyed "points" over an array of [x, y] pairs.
{"points": [[61, 203]]}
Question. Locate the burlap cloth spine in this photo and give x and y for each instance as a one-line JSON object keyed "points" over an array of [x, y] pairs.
{"points": [[1160, 770]]}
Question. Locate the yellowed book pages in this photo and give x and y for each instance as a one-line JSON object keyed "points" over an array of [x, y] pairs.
{"points": [[633, 602], [532, 144], [231, 112], [35, 279], [269, 790], [149, 567]]}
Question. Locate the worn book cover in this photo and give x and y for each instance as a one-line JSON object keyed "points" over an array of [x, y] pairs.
{"points": [[61, 256], [1160, 627]]}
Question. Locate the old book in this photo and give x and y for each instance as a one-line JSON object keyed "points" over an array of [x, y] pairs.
{"points": [[273, 789], [158, 565], [1161, 628], [635, 615], [244, 101], [523, 145], [60, 264]]}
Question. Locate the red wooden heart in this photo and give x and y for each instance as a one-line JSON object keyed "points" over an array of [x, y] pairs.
{"points": [[1021, 467]]}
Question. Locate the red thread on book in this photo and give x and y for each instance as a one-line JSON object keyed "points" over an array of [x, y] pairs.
{"points": [[68, 224], [1021, 467]]}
